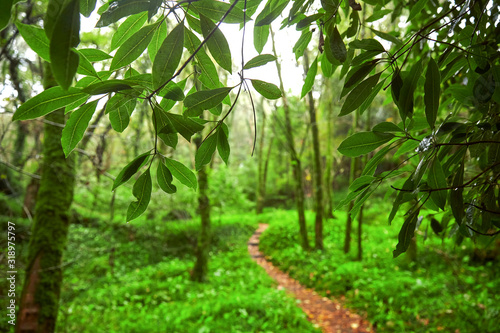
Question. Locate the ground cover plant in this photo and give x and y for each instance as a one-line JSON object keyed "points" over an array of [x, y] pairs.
{"points": [[135, 278], [446, 290]]}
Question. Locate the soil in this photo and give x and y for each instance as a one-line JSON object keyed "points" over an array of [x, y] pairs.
{"points": [[325, 313]]}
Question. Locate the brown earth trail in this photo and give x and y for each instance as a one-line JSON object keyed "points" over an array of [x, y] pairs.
{"points": [[325, 313]]}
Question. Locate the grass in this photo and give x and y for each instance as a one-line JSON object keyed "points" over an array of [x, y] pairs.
{"points": [[443, 291]]}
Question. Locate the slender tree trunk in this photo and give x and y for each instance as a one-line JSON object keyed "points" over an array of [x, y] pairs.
{"points": [[348, 230], [295, 160], [201, 265], [318, 184], [40, 297], [261, 186], [329, 155], [360, 233]]}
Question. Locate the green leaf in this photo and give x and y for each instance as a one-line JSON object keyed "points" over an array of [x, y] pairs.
{"points": [[330, 6], [122, 8], [337, 46], [168, 57], [223, 143], [386, 126], [259, 60], [359, 94], [66, 36], [94, 55], [172, 91], [271, 11], [184, 126], [120, 117], [85, 67], [326, 66], [377, 15], [260, 37], [182, 173], [361, 183], [36, 39], [217, 44], [154, 5], [372, 164], [158, 38], [388, 37], [166, 132], [122, 100], [205, 151], [416, 9], [432, 92], [309, 81], [133, 47], [268, 90], [362, 143], [46, 102], [107, 86], [436, 180], [204, 100], [436, 226], [367, 44], [129, 27], [363, 56], [5, 10], [87, 7], [164, 179], [76, 126], [130, 169], [356, 74], [215, 10], [405, 104], [210, 76], [308, 20], [371, 97], [406, 233], [301, 44], [142, 191]]}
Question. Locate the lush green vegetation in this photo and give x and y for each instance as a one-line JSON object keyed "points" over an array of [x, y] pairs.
{"points": [[448, 289], [135, 278]]}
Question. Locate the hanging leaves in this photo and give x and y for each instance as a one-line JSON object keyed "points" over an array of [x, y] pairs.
{"points": [[142, 191], [47, 101], [184, 126], [259, 60], [223, 143], [87, 7], [268, 90], [168, 57], [437, 180], [133, 47], [164, 179], [217, 43], [76, 126], [5, 10], [406, 233], [204, 100], [129, 27], [432, 92], [363, 142], [66, 36], [337, 46], [36, 39], [181, 173], [309, 81], [121, 8], [359, 94], [130, 169], [205, 152]]}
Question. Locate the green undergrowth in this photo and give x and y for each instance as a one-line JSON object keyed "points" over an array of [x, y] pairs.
{"points": [[135, 278], [445, 290]]}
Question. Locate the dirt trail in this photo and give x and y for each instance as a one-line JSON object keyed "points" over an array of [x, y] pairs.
{"points": [[326, 313]]}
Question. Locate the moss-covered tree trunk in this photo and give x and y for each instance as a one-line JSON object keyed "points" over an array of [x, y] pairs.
{"points": [[199, 273], [261, 184], [317, 177], [40, 297], [294, 159]]}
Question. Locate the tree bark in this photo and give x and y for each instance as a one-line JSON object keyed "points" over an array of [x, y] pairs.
{"points": [[200, 269], [317, 181], [40, 297], [294, 160]]}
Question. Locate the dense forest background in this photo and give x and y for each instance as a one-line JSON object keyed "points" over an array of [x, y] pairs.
{"points": [[139, 156]]}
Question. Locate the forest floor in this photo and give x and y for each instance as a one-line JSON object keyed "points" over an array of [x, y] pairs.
{"points": [[327, 314]]}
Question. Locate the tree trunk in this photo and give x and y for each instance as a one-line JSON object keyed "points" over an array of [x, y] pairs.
{"points": [[360, 233], [348, 229], [329, 156], [317, 181], [40, 297], [294, 159], [261, 186], [200, 269]]}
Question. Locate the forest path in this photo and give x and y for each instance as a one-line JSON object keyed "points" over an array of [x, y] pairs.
{"points": [[327, 314]]}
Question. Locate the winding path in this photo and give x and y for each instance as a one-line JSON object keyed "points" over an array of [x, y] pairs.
{"points": [[325, 313]]}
